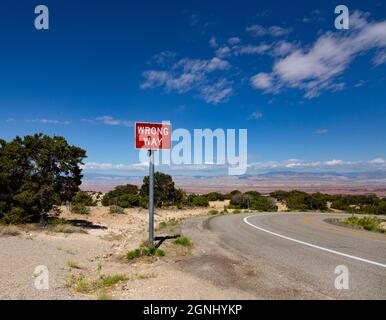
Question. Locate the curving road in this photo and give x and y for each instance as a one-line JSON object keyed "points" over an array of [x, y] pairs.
{"points": [[307, 249]]}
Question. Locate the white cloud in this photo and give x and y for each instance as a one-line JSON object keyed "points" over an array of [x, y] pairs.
{"points": [[359, 84], [223, 52], [256, 115], [273, 31], [283, 48], [262, 81], [380, 58], [321, 131], [213, 42], [234, 41], [49, 121], [336, 165], [163, 57], [333, 163], [110, 121], [251, 49], [154, 79], [193, 75], [316, 68], [378, 161], [314, 16], [110, 166], [218, 92], [290, 164]]}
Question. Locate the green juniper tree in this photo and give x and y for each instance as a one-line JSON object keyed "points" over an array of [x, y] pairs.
{"points": [[36, 173]]}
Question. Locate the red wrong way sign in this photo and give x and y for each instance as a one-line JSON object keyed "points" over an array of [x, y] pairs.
{"points": [[153, 136]]}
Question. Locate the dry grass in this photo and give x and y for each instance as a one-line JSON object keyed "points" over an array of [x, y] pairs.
{"points": [[81, 284], [65, 228], [9, 231], [369, 223], [73, 264], [103, 295]]}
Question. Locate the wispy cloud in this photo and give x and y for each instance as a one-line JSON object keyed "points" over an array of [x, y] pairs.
{"points": [[256, 115], [97, 166], [321, 131], [234, 41], [314, 16], [197, 75], [311, 68], [213, 42], [380, 58], [318, 68], [49, 121], [334, 165], [111, 121], [273, 31], [163, 57]]}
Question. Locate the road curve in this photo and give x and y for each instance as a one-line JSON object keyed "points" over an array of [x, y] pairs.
{"points": [[305, 247]]}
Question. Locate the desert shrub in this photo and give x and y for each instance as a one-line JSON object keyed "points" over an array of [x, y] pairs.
{"points": [[165, 192], [109, 281], [302, 201], [37, 173], [17, 215], [144, 252], [252, 200], [80, 209], [129, 201], [183, 241], [213, 212], [116, 210], [229, 195], [367, 223], [168, 223], [369, 204], [162, 225], [84, 198], [113, 197], [215, 196], [133, 254], [253, 194], [55, 221], [200, 201], [144, 202], [81, 284]]}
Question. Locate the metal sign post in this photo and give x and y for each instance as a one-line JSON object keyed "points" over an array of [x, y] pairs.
{"points": [[152, 137], [151, 198]]}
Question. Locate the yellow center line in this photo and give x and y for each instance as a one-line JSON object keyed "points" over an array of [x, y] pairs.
{"points": [[360, 233]]}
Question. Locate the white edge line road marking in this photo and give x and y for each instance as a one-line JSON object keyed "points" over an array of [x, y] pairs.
{"points": [[313, 246]]}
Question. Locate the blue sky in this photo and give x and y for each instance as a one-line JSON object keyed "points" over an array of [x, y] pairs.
{"points": [[311, 96]]}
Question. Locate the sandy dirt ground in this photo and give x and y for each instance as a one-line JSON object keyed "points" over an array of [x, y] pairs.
{"points": [[99, 252], [78, 260]]}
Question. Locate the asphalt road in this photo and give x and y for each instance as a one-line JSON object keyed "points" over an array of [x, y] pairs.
{"points": [[307, 249]]}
